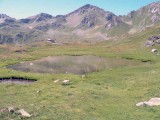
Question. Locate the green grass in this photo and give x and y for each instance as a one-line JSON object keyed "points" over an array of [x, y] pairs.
{"points": [[105, 95]]}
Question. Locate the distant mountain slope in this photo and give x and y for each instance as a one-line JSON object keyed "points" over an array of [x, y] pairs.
{"points": [[88, 23], [146, 16]]}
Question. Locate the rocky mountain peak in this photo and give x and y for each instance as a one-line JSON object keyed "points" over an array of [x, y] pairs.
{"points": [[88, 6], [4, 16], [45, 15], [39, 17], [85, 9]]}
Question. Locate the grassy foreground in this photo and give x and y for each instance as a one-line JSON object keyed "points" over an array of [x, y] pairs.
{"points": [[106, 95]]}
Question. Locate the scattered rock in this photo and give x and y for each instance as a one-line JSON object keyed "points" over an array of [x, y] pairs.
{"points": [[31, 104], [154, 50], [31, 64], [51, 40], [3, 110], [23, 113], [39, 91], [153, 72], [66, 82], [151, 102], [153, 38], [11, 109], [149, 43], [17, 111], [83, 76], [140, 104], [56, 81]]}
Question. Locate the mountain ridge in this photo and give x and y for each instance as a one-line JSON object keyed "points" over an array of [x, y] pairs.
{"points": [[88, 22]]}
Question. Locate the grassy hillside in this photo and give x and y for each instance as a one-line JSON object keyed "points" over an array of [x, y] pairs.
{"points": [[106, 95]]}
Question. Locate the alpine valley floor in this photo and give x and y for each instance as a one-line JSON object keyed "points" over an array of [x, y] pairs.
{"points": [[110, 94]]}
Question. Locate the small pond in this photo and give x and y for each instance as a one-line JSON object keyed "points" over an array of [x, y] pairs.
{"points": [[72, 64], [16, 80]]}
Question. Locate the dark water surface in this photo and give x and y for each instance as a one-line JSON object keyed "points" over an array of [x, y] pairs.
{"points": [[16, 80]]}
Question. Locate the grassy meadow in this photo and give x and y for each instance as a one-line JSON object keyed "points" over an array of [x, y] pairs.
{"points": [[109, 94]]}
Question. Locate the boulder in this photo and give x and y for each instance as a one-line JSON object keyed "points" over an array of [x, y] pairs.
{"points": [[23, 113], [149, 43], [11, 109], [151, 102], [52, 40], [31, 64], [3, 110], [140, 104], [154, 50], [83, 76], [157, 41], [56, 81], [153, 38], [66, 82]]}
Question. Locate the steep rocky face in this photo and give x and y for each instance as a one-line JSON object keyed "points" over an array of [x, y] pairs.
{"points": [[112, 21], [89, 21]]}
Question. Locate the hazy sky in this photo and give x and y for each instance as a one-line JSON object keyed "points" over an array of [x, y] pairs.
{"points": [[26, 8]]}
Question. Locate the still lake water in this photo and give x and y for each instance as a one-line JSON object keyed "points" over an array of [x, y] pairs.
{"points": [[72, 64]]}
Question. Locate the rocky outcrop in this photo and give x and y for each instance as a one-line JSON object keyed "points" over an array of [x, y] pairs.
{"points": [[23, 113], [89, 21], [43, 27], [20, 35], [153, 40], [6, 39], [16, 111], [112, 21], [66, 82]]}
